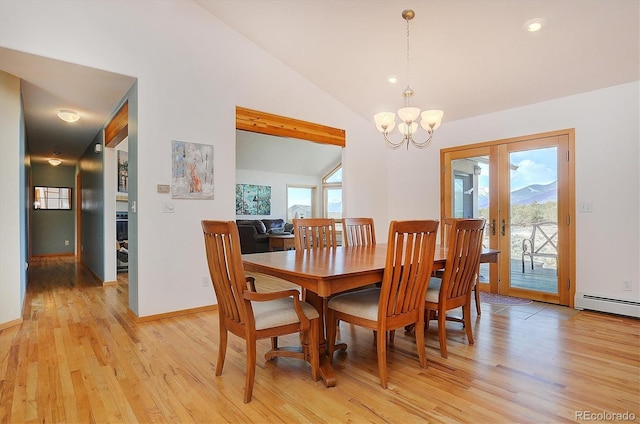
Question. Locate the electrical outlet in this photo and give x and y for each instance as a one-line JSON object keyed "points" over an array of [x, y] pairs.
{"points": [[66, 242], [626, 285], [205, 282], [167, 207]]}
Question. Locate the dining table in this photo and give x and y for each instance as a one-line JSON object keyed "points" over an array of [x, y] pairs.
{"points": [[328, 271]]}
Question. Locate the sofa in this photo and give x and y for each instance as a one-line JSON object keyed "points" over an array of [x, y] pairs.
{"points": [[254, 233]]}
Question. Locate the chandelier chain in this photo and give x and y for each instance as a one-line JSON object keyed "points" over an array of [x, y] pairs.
{"points": [[408, 58]]}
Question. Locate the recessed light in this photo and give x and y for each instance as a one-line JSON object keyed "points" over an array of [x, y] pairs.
{"points": [[68, 115], [534, 25], [392, 79]]}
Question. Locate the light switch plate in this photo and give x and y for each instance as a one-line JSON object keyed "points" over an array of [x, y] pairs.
{"points": [[586, 207]]}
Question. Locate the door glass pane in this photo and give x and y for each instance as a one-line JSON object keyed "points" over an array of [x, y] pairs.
{"points": [[534, 219], [471, 195]]}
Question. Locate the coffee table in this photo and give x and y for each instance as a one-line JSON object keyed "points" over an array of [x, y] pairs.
{"points": [[281, 242]]}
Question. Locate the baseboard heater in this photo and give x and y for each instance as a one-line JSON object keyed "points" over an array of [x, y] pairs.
{"points": [[625, 307]]}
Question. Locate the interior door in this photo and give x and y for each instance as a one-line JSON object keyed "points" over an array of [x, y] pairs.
{"points": [[524, 188]]}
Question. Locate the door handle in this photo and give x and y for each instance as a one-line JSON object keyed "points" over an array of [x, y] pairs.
{"points": [[493, 227], [504, 227]]}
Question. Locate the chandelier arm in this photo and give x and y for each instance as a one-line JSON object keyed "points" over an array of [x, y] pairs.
{"points": [[424, 144], [391, 144]]}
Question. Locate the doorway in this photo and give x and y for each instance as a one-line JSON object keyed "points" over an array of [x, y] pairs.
{"points": [[524, 188]]}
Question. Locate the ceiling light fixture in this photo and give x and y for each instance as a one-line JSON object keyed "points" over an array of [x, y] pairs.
{"points": [[68, 115], [534, 25], [386, 121], [54, 162]]}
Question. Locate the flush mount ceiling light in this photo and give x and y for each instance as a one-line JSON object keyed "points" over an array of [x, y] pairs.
{"points": [[68, 115], [54, 162], [534, 25], [430, 119]]}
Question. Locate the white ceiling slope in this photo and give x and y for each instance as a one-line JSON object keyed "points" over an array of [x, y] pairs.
{"points": [[260, 152], [468, 57]]}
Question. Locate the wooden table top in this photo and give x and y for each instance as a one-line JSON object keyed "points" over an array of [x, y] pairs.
{"points": [[330, 271]]}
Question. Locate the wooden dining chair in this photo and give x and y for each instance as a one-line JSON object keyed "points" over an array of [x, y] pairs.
{"points": [[445, 232], [313, 233], [453, 290], [400, 300], [251, 315], [358, 231]]}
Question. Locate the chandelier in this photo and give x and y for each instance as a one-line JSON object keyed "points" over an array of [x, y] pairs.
{"points": [[429, 119]]}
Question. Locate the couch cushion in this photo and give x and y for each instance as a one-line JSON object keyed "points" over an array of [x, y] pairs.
{"points": [[270, 224], [259, 225]]}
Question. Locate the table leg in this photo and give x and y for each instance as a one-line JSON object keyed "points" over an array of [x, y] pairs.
{"points": [[326, 369]]}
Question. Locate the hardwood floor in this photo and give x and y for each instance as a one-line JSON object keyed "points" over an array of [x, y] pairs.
{"points": [[79, 358]]}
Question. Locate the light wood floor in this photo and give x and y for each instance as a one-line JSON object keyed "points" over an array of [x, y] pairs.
{"points": [[78, 358]]}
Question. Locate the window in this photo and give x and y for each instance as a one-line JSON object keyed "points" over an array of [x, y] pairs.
{"points": [[52, 198], [300, 201], [332, 188]]}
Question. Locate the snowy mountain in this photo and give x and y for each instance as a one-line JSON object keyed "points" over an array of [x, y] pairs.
{"points": [[540, 193]]}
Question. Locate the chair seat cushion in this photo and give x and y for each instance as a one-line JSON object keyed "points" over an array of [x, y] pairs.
{"points": [[433, 293], [360, 303], [275, 313]]}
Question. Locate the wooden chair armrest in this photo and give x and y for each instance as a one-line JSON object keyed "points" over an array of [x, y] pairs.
{"points": [[266, 296], [263, 297]]}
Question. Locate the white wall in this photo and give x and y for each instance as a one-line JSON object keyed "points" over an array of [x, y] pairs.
{"points": [[606, 155], [10, 164], [192, 72]]}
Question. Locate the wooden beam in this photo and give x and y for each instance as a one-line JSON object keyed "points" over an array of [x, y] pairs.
{"points": [[267, 123], [118, 128]]}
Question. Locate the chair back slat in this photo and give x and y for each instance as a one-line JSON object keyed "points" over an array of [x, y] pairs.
{"points": [[358, 231], [314, 233], [411, 248], [464, 246], [222, 245]]}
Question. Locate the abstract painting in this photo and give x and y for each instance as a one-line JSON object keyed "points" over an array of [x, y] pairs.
{"points": [[192, 170], [123, 172], [253, 199]]}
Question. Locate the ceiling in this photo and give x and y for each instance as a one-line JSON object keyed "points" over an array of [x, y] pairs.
{"points": [[50, 85], [260, 152], [468, 58]]}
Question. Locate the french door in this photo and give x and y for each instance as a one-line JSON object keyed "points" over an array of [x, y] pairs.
{"points": [[524, 188]]}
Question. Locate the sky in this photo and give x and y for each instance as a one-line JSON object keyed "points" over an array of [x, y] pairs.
{"points": [[534, 167]]}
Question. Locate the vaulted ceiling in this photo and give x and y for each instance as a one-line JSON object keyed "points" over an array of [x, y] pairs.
{"points": [[467, 57]]}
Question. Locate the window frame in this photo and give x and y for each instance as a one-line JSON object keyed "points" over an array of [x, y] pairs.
{"points": [[47, 195]]}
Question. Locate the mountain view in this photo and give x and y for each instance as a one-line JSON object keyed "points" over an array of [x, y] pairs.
{"points": [[539, 193]]}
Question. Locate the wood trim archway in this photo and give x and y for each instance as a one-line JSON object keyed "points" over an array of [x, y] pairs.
{"points": [[267, 123]]}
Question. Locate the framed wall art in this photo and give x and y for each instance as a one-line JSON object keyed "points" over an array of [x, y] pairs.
{"points": [[253, 199], [192, 170], [123, 174]]}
